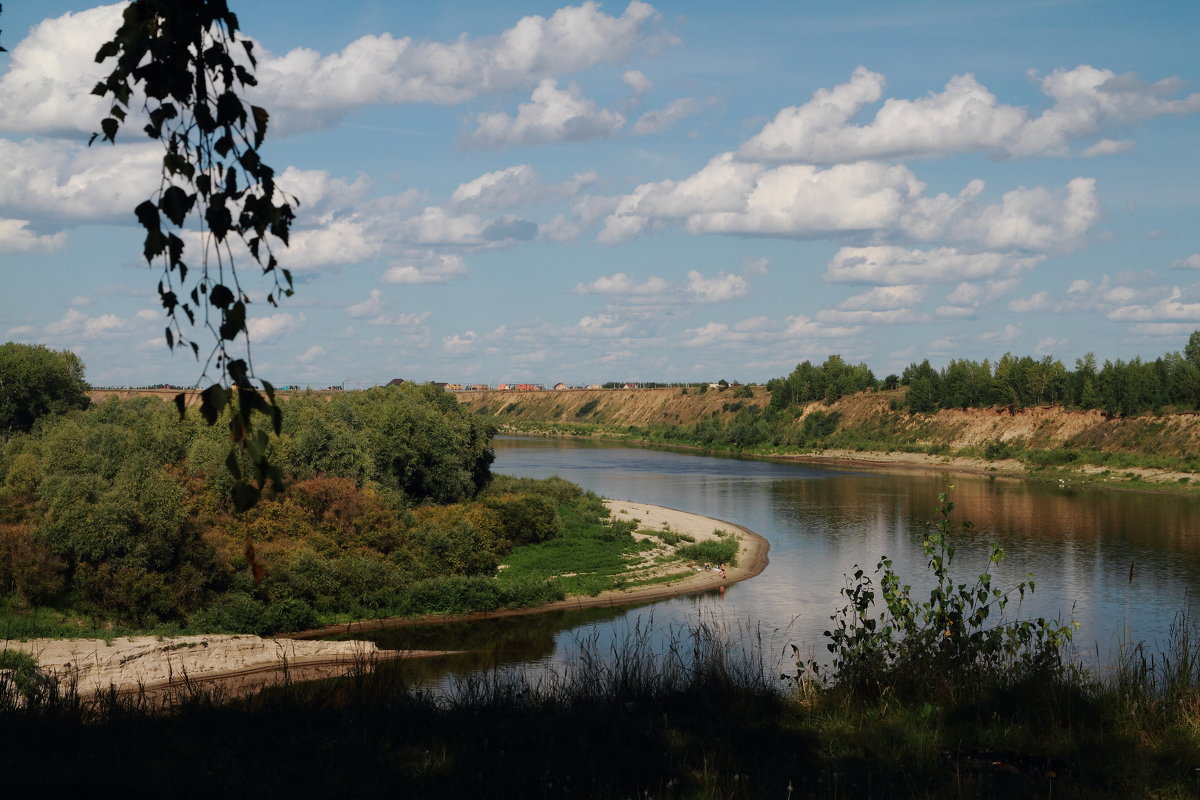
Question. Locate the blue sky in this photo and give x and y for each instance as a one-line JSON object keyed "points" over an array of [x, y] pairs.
{"points": [[667, 191]]}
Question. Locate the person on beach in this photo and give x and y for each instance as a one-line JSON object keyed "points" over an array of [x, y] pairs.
{"points": [[722, 570]]}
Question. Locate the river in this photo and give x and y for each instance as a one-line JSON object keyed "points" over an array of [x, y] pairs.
{"points": [[1123, 565]]}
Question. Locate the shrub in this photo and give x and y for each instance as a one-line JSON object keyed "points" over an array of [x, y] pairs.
{"points": [[943, 646], [722, 550]]}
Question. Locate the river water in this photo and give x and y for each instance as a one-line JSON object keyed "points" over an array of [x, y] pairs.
{"points": [[1121, 564]]}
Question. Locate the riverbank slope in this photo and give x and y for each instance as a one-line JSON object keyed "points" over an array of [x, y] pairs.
{"points": [[868, 428]]}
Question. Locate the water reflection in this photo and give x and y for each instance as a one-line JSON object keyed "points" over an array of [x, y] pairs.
{"points": [[1080, 545]]}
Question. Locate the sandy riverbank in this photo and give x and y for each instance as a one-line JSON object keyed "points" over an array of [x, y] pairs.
{"points": [[163, 667], [752, 560]]}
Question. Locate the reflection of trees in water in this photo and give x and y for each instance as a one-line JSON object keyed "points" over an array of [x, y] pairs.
{"points": [[1012, 511], [487, 643]]}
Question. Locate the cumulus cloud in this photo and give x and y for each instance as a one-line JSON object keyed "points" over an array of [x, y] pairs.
{"points": [[311, 355], [717, 289], [272, 326], [803, 327], [427, 267], [1039, 301], [884, 298], [637, 80], [698, 288], [15, 237], [51, 72], [805, 201], [891, 265], [505, 188], [1171, 308], [659, 120], [76, 323], [70, 182], [622, 284], [47, 87], [459, 343], [551, 115], [870, 317], [964, 117], [1191, 262], [370, 307]]}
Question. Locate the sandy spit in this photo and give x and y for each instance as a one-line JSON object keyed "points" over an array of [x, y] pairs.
{"points": [[752, 559], [161, 666]]}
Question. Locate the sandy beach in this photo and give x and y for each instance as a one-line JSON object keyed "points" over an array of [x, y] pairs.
{"points": [[164, 667]]}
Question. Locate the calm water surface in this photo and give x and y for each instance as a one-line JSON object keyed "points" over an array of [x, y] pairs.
{"points": [[1080, 545]]}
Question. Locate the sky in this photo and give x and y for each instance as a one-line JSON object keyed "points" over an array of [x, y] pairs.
{"points": [[677, 191]]}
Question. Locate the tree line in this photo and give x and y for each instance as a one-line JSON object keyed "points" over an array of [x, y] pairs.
{"points": [[1171, 381], [120, 513]]}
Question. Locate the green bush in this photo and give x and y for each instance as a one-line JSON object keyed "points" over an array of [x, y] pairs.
{"points": [[723, 550], [945, 648]]}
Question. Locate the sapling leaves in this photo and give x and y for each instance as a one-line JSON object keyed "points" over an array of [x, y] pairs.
{"points": [[181, 55]]}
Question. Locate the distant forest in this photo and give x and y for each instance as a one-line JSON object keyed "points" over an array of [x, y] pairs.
{"points": [[1171, 381]]}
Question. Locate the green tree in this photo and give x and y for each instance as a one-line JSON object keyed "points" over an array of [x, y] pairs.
{"points": [[35, 381]]}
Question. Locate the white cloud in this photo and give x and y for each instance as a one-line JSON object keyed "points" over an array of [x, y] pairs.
{"points": [[804, 327], [459, 343], [884, 298], [622, 284], [552, 115], [1191, 262], [51, 72], [869, 317], [72, 182], [337, 243], [637, 80], [408, 320], [706, 335], [264, 329], [15, 237], [1039, 301], [20, 330], [502, 189], [1169, 309], [976, 293], [75, 323], [964, 117], [955, 312], [891, 265], [717, 289], [312, 354], [370, 307], [804, 201], [1005, 334], [602, 325], [658, 120], [427, 267]]}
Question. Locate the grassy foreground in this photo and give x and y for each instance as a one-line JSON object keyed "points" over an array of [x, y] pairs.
{"points": [[944, 698], [689, 721]]}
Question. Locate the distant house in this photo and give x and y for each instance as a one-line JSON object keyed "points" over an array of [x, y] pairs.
{"points": [[454, 387], [630, 386], [502, 387], [477, 387], [558, 387], [396, 382], [529, 387], [594, 386]]}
